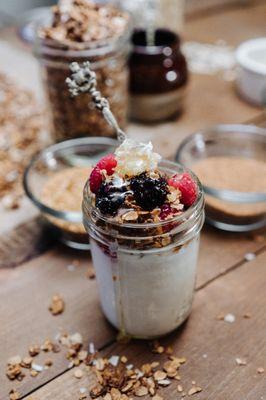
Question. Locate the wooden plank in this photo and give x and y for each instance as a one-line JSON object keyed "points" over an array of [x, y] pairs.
{"points": [[30, 287], [210, 346], [221, 251], [232, 24], [196, 9], [24, 317], [26, 241]]}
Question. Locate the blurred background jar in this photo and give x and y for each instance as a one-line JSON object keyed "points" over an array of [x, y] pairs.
{"points": [[158, 77], [158, 69], [82, 31]]}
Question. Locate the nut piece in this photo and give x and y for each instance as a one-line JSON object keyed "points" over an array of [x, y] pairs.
{"points": [[260, 370], [57, 305], [141, 391], [14, 394], [97, 391], [160, 375], [194, 390], [26, 362], [34, 350], [78, 373]]}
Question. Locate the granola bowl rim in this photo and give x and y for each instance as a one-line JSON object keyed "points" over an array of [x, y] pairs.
{"points": [[216, 132], [67, 216]]}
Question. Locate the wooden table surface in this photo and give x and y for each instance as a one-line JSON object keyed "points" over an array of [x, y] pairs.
{"points": [[33, 268]]}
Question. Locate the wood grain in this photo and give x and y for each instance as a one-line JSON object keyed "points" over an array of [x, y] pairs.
{"points": [[210, 346], [232, 24], [221, 251], [25, 294], [24, 242]]}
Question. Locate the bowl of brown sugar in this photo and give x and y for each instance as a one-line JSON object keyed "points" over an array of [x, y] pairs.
{"points": [[230, 161], [54, 182]]}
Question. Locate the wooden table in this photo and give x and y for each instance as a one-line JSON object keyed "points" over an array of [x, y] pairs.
{"points": [[32, 269]]}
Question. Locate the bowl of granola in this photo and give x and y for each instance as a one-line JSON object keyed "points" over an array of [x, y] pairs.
{"points": [[54, 182]]}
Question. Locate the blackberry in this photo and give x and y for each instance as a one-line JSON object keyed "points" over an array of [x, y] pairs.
{"points": [[109, 198], [149, 193]]}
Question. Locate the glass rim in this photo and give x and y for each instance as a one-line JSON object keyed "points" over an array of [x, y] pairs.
{"points": [[69, 216], [197, 206], [70, 49]]}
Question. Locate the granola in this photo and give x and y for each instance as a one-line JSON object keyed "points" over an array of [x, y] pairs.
{"points": [[114, 378], [22, 135], [63, 192], [85, 31], [57, 305], [129, 188]]}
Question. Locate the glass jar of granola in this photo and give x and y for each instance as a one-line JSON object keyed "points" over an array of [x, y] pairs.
{"points": [[146, 272], [83, 31]]}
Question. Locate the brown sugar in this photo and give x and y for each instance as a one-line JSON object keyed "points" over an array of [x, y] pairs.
{"points": [[63, 191], [235, 174]]}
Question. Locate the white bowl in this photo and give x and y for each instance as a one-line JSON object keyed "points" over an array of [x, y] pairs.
{"points": [[251, 70]]}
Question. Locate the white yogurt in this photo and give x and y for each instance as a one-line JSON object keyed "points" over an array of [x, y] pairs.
{"points": [[146, 295]]}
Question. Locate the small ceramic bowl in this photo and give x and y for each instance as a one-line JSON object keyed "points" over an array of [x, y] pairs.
{"points": [[79, 153], [228, 209], [251, 70]]}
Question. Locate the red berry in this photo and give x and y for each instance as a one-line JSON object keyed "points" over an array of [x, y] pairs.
{"points": [[187, 187], [165, 211], [96, 179], [108, 163]]}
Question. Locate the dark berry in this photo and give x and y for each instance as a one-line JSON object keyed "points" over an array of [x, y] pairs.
{"points": [[108, 163], [96, 179], [148, 192], [109, 198], [187, 187]]}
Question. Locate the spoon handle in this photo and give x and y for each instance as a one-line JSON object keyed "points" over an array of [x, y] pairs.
{"points": [[83, 80]]}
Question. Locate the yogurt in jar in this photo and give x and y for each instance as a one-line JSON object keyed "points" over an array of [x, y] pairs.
{"points": [[144, 220]]}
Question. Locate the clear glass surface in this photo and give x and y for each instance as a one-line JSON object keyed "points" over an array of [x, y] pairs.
{"points": [[71, 153], [241, 141]]}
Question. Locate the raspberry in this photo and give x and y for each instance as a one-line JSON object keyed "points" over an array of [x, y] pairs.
{"points": [[165, 211], [149, 193], [108, 163], [187, 187], [96, 179]]}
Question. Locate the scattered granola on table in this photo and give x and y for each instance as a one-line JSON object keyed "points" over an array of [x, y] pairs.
{"points": [[57, 305], [112, 378], [21, 136]]}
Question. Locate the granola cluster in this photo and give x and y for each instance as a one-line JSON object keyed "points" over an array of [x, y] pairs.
{"points": [[83, 31], [117, 379], [114, 378], [21, 136], [63, 192], [84, 21]]}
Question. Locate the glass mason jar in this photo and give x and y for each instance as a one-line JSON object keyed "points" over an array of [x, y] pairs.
{"points": [[77, 117], [158, 76], [146, 272]]}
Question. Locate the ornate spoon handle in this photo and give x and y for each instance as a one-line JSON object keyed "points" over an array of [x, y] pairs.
{"points": [[83, 80]]}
